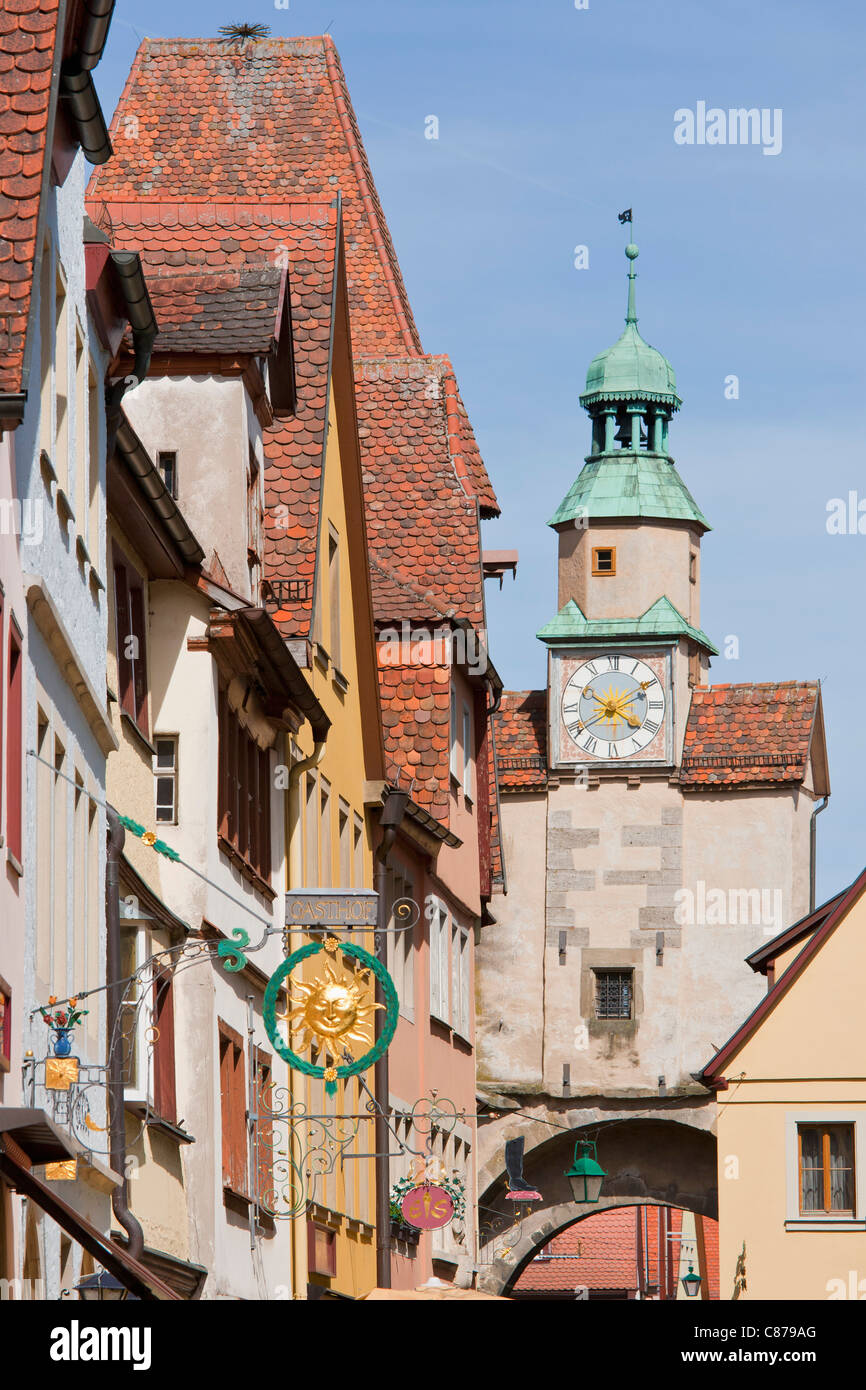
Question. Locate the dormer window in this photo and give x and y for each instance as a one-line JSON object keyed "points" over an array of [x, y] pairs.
{"points": [[603, 560]]}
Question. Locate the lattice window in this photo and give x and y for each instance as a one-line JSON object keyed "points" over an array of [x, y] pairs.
{"points": [[613, 993]]}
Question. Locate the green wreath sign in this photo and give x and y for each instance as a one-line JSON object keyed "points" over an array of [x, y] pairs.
{"points": [[316, 1005]]}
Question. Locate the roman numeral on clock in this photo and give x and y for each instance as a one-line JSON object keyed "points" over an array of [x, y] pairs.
{"points": [[656, 704], [591, 744], [574, 729], [651, 726], [614, 663], [590, 667]]}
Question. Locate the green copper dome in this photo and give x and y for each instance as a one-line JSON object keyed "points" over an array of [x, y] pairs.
{"points": [[631, 370]]}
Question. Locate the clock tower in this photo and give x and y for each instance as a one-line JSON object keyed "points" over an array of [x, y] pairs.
{"points": [[626, 645], [656, 829]]}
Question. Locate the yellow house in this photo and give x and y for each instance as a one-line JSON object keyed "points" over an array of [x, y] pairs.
{"points": [[335, 785], [791, 1086]]}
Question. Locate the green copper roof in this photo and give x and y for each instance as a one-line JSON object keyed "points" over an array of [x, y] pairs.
{"points": [[661, 620], [629, 485], [631, 370]]}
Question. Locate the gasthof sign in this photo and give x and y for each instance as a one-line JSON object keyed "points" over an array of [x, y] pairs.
{"points": [[331, 908]]}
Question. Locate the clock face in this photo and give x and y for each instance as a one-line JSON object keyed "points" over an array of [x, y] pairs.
{"points": [[613, 706]]}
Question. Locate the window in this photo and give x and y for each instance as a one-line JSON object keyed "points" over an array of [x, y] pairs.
{"points": [[166, 462], [400, 945], [326, 870], [61, 383], [460, 996], [82, 481], [455, 743], [5, 1025], [345, 845], [604, 560], [165, 777], [693, 566], [94, 409], [14, 742], [334, 593], [321, 1250], [826, 1164], [264, 1129], [131, 644], [468, 754], [437, 916], [358, 853], [244, 810], [164, 1093], [613, 993], [233, 1103]]}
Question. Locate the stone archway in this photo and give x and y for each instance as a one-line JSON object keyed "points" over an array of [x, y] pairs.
{"points": [[648, 1161]]}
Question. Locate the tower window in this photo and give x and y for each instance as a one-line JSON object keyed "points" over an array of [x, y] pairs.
{"points": [[604, 560], [693, 566], [613, 993]]}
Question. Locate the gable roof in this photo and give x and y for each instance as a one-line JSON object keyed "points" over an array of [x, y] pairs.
{"points": [[765, 957], [753, 734], [28, 38], [660, 620], [712, 1075], [521, 740]]}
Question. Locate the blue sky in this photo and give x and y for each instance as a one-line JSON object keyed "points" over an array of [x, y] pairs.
{"points": [[552, 120]]}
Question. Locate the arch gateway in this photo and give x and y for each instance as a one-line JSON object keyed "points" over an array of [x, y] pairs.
{"points": [[655, 828]]}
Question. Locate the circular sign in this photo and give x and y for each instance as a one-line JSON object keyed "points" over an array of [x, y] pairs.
{"points": [[427, 1207]]}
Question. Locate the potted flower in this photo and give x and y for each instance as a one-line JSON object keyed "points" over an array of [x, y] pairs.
{"points": [[61, 1022]]}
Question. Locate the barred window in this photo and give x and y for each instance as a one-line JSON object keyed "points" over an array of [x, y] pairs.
{"points": [[613, 993]]}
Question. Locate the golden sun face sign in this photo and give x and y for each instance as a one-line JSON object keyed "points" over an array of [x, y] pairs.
{"points": [[334, 1011]]}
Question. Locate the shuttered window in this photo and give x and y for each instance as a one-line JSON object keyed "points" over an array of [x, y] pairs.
{"points": [[244, 801], [233, 1104], [164, 1091], [131, 644]]}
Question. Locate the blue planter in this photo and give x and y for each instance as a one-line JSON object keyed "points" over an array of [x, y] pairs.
{"points": [[62, 1042]]}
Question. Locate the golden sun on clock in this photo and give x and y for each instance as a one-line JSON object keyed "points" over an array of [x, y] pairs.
{"points": [[613, 706]]}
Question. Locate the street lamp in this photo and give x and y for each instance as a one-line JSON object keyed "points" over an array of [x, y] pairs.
{"points": [[691, 1282], [99, 1287], [586, 1174]]}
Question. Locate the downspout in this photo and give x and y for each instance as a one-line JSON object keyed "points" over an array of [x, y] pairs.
{"points": [[116, 1116], [392, 814], [813, 851]]}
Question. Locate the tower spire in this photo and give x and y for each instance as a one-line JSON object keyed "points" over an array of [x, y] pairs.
{"points": [[632, 252]]}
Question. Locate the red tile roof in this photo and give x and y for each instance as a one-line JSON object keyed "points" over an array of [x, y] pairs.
{"points": [[416, 716], [420, 517], [608, 1254], [742, 734], [521, 739], [28, 33], [222, 310], [197, 118]]}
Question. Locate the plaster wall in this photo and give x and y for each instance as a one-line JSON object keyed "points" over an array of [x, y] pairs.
{"points": [[208, 422], [13, 555], [652, 559]]}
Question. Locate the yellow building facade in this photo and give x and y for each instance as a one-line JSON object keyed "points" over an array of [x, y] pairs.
{"points": [[791, 1087]]}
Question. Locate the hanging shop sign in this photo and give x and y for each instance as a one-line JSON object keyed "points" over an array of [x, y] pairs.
{"points": [[427, 1206], [331, 908], [333, 1011]]}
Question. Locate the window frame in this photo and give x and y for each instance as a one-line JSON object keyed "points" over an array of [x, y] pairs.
{"points": [[242, 769], [168, 454], [597, 571], [171, 774], [601, 972], [827, 1115], [438, 918], [823, 1127], [130, 609], [12, 705]]}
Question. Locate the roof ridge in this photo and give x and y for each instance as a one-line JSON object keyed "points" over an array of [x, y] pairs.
{"points": [[369, 196]]}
